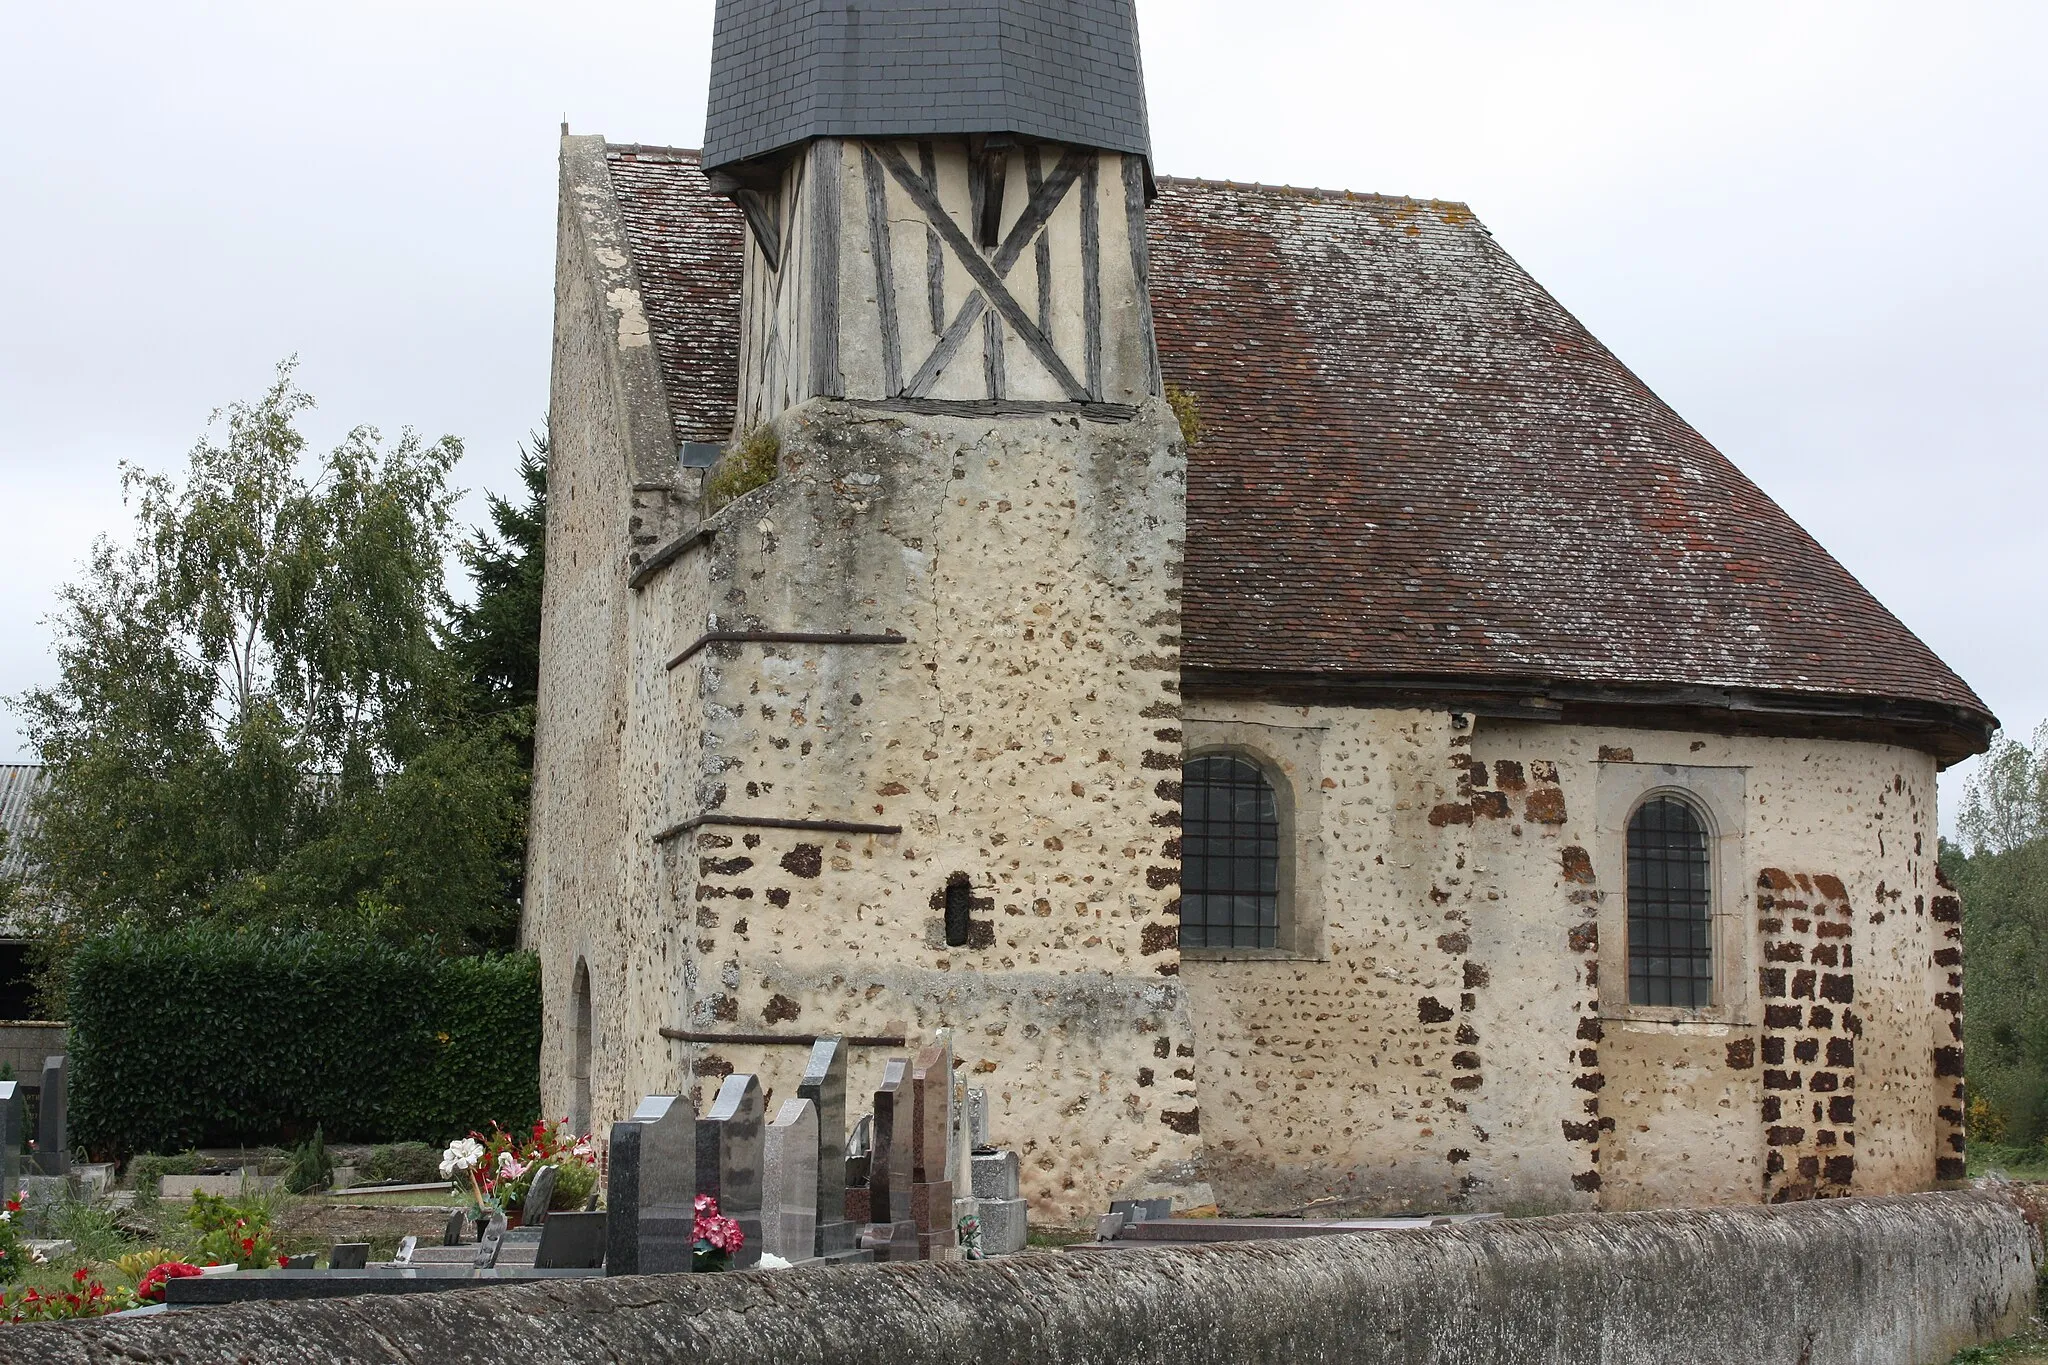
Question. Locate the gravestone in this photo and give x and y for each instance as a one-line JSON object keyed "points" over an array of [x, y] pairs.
{"points": [[10, 1139], [539, 1195], [824, 1085], [53, 1155], [651, 1189], [789, 1210], [348, 1256], [998, 1203], [977, 1119], [491, 1245], [729, 1142], [931, 1189], [571, 1241], [891, 1232], [451, 1235]]}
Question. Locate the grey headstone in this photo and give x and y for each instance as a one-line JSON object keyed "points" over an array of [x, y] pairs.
{"points": [[491, 1243], [995, 1175], [861, 1139], [303, 1261], [451, 1236], [407, 1245], [571, 1241], [789, 1211], [53, 1155], [1004, 1226], [348, 1256], [824, 1085], [10, 1139], [651, 1189], [1109, 1227], [729, 1143], [977, 1117], [539, 1195], [889, 1163]]}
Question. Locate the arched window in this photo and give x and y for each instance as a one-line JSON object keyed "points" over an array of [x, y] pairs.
{"points": [[1670, 906], [1230, 855], [579, 1061]]}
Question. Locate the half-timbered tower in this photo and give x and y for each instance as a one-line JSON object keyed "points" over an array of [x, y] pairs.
{"points": [[1446, 783]]}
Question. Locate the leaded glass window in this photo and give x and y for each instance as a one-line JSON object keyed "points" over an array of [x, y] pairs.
{"points": [[1230, 855], [1670, 907]]}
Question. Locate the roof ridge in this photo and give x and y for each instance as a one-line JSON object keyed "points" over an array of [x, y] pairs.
{"points": [[653, 152], [1312, 192]]}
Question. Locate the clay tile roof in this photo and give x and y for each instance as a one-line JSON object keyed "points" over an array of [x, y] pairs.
{"points": [[687, 249], [1417, 463], [1416, 467]]}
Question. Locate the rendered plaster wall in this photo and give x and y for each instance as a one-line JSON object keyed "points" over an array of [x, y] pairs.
{"points": [[609, 433], [1023, 737], [1457, 1032], [1906, 1281]]}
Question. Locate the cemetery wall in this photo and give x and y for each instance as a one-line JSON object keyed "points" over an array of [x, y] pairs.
{"points": [[1018, 740], [1455, 1029], [1899, 1281]]}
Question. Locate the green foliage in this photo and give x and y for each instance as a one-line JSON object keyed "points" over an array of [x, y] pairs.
{"points": [[401, 1163], [147, 1171], [205, 1036], [497, 638], [2003, 881], [1188, 411], [748, 464], [310, 1167], [257, 720]]}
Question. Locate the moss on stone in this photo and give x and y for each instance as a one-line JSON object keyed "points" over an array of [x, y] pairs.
{"points": [[1188, 411], [749, 463]]}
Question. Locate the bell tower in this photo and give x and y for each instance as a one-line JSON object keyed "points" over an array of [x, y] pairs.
{"points": [[912, 744], [945, 204]]}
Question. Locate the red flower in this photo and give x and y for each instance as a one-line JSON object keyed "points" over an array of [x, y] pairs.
{"points": [[78, 1275], [151, 1287], [248, 1246]]}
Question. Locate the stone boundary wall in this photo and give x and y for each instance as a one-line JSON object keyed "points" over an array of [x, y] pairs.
{"points": [[1895, 1281], [25, 1043]]}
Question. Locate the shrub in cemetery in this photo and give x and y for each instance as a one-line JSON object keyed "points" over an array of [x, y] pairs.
{"points": [[400, 1163], [205, 1036], [13, 1253]]}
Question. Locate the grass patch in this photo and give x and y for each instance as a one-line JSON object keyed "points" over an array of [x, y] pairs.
{"points": [[1990, 1158], [748, 464]]}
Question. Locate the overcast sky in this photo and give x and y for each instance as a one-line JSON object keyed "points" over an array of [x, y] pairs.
{"points": [[1816, 229]]}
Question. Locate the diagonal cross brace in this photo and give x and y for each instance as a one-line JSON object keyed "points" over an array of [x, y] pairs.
{"points": [[987, 273]]}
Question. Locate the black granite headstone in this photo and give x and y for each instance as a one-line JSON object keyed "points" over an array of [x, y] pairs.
{"points": [[651, 1189], [824, 1085], [729, 1158]]}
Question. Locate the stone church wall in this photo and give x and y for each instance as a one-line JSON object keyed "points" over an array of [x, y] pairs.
{"points": [[1458, 1032]]}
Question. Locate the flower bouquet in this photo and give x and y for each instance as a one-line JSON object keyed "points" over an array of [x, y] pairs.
{"points": [[150, 1288], [717, 1237], [499, 1169]]}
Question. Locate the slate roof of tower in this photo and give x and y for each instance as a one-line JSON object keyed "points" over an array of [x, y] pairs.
{"points": [[786, 70], [1416, 466]]}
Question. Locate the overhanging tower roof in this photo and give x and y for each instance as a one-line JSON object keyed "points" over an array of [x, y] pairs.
{"points": [[784, 71]]}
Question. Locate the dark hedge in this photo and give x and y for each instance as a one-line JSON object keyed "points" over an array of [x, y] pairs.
{"points": [[204, 1037]]}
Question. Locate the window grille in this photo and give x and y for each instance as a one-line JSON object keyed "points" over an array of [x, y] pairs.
{"points": [[1670, 951], [1230, 855]]}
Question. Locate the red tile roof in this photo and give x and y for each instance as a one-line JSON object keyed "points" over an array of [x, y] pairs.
{"points": [[688, 246], [1419, 475]]}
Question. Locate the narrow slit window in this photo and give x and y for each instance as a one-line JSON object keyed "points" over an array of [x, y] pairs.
{"points": [[1670, 906], [1230, 855]]}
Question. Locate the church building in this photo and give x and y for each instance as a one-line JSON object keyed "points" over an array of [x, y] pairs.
{"points": [[1319, 730]]}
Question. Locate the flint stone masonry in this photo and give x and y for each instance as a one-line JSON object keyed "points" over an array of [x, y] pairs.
{"points": [[1893, 1281]]}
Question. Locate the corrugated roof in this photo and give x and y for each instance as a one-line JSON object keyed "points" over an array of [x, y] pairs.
{"points": [[19, 784], [1417, 468]]}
